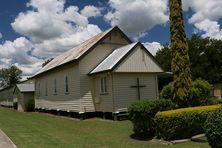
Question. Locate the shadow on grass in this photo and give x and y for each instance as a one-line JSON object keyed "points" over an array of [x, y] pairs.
{"points": [[142, 137]]}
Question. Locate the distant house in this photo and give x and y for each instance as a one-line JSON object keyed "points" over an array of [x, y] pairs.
{"points": [[104, 74], [217, 90], [24, 95], [6, 96]]}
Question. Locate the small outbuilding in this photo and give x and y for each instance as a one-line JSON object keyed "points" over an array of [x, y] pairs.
{"points": [[24, 96], [217, 90]]}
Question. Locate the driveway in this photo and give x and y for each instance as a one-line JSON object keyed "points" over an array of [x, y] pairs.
{"points": [[5, 141]]}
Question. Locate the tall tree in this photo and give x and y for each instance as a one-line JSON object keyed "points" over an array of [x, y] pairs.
{"points": [[205, 57], [180, 57], [10, 76]]}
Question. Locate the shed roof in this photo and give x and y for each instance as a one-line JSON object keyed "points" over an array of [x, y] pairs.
{"points": [[26, 87], [109, 62], [78, 51]]}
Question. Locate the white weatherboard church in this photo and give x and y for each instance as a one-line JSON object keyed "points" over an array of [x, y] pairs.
{"points": [[104, 74]]}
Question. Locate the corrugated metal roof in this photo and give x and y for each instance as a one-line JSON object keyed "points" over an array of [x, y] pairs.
{"points": [[73, 54], [26, 87], [109, 62]]}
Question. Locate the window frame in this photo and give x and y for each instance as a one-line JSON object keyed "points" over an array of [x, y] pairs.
{"points": [[66, 85], [39, 91], [55, 87], [46, 89], [103, 85]]}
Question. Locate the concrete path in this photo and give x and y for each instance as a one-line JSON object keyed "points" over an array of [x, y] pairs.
{"points": [[5, 141]]}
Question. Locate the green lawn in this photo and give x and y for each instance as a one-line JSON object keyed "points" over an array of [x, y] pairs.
{"points": [[38, 130]]}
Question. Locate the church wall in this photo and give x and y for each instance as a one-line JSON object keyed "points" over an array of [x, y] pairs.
{"points": [[47, 98], [138, 61], [124, 94], [103, 101], [89, 62]]}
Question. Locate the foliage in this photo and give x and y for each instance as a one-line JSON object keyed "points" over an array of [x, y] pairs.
{"points": [[206, 57], [30, 105], [10, 76], [15, 105], [164, 57], [167, 91], [182, 123], [201, 51], [47, 61], [142, 114], [180, 56], [213, 126], [200, 93]]}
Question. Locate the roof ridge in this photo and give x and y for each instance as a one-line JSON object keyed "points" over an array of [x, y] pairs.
{"points": [[57, 61]]}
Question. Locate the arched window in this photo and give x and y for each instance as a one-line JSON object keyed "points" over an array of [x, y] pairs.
{"points": [[66, 84], [55, 87]]}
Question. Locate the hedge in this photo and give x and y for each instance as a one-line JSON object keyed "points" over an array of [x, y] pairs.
{"points": [[182, 123], [213, 129], [142, 114]]}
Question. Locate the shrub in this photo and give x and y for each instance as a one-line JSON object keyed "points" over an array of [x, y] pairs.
{"points": [[182, 123], [142, 114], [213, 126], [200, 92], [15, 105], [30, 105], [167, 91]]}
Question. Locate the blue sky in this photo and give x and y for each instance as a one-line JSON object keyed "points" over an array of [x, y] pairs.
{"points": [[32, 31]]}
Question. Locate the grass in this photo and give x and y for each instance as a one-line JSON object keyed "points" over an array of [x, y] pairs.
{"points": [[37, 130]]}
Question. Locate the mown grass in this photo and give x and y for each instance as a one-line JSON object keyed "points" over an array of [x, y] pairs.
{"points": [[38, 130]]}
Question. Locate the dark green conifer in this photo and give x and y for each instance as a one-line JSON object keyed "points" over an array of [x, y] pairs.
{"points": [[180, 59]]}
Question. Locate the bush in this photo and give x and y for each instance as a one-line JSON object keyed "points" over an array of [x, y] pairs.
{"points": [[15, 105], [213, 126], [182, 123], [30, 105], [142, 114], [167, 91], [200, 92]]}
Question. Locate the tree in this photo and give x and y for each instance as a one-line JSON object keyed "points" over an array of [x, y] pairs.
{"points": [[205, 57], [164, 57], [10, 76], [47, 61], [180, 57]]}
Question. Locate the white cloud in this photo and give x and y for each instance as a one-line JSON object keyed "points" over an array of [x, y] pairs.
{"points": [[53, 47], [206, 16], [90, 11], [17, 52], [153, 47], [0, 35], [51, 29], [137, 16]]}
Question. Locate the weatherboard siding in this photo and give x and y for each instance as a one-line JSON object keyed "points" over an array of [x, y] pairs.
{"points": [[124, 95], [6, 96], [89, 62], [61, 100], [138, 61], [103, 101]]}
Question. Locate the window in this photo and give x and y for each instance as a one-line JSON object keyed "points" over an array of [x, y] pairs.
{"points": [[39, 89], [46, 89], [103, 84], [55, 87], [66, 84]]}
